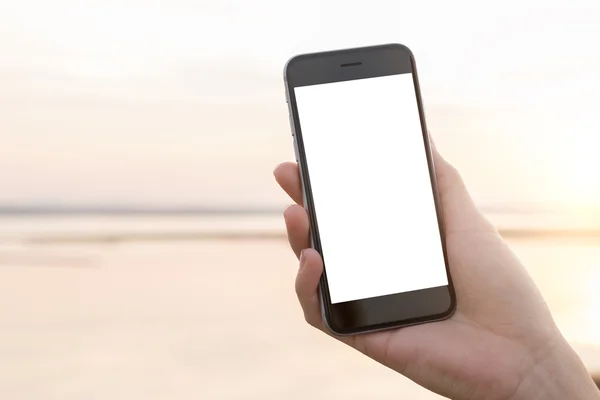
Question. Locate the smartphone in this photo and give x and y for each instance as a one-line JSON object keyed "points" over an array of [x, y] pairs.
{"points": [[363, 152]]}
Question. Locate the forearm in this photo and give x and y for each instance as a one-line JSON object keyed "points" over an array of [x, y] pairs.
{"points": [[560, 376]]}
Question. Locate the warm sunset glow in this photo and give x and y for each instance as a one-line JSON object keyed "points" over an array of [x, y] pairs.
{"points": [[131, 129], [577, 165], [591, 310], [191, 92]]}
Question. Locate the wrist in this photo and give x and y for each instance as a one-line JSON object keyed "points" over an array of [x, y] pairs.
{"points": [[560, 374]]}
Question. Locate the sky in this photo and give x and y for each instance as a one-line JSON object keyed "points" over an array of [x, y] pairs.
{"points": [[182, 102]]}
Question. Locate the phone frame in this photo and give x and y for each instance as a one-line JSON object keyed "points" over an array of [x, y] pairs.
{"points": [[383, 312]]}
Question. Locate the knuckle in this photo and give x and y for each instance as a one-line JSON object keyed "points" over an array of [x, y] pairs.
{"points": [[312, 319]]}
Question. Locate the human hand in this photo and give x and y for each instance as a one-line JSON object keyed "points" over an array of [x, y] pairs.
{"points": [[501, 343]]}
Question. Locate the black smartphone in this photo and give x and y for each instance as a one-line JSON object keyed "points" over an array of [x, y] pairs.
{"points": [[369, 185]]}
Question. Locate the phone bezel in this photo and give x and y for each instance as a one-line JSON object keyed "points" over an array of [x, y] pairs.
{"points": [[384, 312]]}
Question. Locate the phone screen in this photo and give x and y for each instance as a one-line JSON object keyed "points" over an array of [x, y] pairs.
{"points": [[371, 187]]}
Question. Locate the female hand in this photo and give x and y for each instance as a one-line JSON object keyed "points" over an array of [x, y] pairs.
{"points": [[501, 343]]}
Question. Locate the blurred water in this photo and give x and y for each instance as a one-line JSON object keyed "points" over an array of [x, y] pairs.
{"points": [[13, 229], [177, 319]]}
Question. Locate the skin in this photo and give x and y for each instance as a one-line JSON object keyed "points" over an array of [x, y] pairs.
{"points": [[500, 344]]}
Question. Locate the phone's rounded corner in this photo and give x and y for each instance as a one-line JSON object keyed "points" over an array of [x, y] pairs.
{"points": [[449, 312], [290, 63], [403, 48], [331, 326], [328, 321]]}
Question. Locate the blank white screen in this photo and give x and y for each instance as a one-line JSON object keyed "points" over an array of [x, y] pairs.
{"points": [[371, 187]]}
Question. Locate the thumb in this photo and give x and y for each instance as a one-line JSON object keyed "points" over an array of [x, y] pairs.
{"points": [[458, 208]]}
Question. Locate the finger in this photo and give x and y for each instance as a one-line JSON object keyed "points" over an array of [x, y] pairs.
{"points": [[458, 208], [288, 177], [307, 282], [446, 174], [297, 226]]}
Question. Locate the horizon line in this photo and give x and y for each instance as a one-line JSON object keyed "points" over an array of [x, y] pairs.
{"points": [[123, 210], [523, 234]]}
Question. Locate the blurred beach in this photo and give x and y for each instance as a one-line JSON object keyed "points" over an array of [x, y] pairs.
{"points": [[171, 104], [179, 307]]}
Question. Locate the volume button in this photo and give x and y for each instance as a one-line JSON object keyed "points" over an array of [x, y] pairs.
{"points": [[296, 149], [291, 123]]}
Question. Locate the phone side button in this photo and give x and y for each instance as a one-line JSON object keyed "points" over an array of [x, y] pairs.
{"points": [[291, 124], [295, 149]]}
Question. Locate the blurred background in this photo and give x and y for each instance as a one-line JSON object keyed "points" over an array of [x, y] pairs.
{"points": [[142, 248]]}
